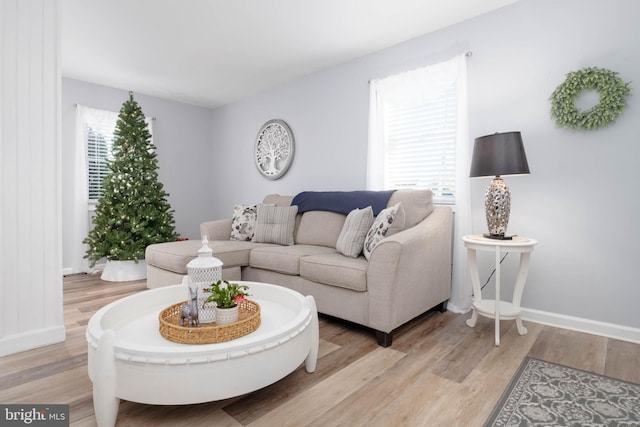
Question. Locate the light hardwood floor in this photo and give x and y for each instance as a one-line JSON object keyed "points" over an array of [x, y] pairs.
{"points": [[439, 372]]}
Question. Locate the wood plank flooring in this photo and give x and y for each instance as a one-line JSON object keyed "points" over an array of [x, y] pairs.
{"points": [[439, 372]]}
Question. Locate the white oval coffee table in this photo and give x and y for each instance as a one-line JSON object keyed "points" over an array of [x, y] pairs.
{"points": [[129, 359]]}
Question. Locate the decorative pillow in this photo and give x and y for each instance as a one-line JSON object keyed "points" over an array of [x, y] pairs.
{"points": [[275, 224], [398, 222], [243, 224], [354, 230], [380, 228]]}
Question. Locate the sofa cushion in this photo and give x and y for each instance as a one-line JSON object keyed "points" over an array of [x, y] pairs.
{"points": [[356, 226], [277, 200], [233, 253], [380, 228], [319, 228], [275, 224], [174, 256], [284, 259], [417, 204], [243, 222], [335, 270]]}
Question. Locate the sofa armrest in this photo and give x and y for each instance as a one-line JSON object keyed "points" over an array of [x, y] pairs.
{"points": [[410, 272], [219, 229]]}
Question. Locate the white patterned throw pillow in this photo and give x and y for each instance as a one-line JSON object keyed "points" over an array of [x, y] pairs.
{"points": [[380, 228], [243, 224], [355, 228]]}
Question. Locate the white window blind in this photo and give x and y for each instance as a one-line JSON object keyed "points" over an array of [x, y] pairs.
{"points": [[99, 151], [414, 131], [421, 146]]}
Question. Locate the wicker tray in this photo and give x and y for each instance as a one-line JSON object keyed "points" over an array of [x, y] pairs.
{"points": [[207, 333]]}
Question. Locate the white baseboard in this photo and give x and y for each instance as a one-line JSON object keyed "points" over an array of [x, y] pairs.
{"points": [[32, 339], [609, 330], [96, 269]]}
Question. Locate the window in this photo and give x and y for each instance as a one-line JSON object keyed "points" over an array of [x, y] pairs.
{"points": [[414, 131], [421, 146], [418, 138], [99, 128]]}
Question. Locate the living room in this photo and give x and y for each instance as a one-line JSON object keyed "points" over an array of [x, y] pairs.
{"points": [[520, 54], [579, 196]]}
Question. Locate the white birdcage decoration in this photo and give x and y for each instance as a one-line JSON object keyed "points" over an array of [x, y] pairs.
{"points": [[203, 271]]}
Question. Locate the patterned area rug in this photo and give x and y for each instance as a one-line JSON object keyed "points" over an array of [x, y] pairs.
{"points": [[547, 394]]}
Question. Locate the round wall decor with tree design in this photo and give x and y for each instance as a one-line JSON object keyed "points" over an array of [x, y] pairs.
{"points": [[613, 92], [274, 149]]}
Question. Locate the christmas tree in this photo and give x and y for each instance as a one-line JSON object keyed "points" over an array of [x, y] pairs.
{"points": [[133, 211]]}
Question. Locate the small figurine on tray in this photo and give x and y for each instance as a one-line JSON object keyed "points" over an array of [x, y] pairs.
{"points": [[189, 310]]}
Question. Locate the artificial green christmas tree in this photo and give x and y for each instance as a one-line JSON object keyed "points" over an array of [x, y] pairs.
{"points": [[133, 211]]}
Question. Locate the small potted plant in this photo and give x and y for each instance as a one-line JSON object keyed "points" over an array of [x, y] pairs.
{"points": [[227, 296]]}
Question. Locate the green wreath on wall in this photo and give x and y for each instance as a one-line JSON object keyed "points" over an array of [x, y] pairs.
{"points": [[613, 93]]}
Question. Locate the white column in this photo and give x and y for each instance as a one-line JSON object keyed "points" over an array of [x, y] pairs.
{"points": [[31, 312]]}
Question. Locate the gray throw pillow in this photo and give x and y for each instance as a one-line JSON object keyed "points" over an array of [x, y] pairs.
{"points": [[275, 224], [355, 228], [380, 228]]}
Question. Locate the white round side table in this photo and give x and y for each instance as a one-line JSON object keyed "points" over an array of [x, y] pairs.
{"points": [[498, 309]]}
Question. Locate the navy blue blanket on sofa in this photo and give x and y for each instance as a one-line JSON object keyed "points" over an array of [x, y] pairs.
{"points": [[341, 201]]}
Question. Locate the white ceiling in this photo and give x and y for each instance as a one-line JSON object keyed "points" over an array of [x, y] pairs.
{"points": [[213, 52]]}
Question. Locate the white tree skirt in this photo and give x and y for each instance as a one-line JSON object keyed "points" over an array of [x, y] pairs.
{"points": [[124, 271]]}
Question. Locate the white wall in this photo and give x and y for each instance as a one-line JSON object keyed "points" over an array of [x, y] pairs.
{"points": [[182, 135], [30, 257], [580, 200]]}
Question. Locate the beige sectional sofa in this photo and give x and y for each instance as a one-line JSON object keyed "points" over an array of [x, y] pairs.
{"points": [[407, 273]]}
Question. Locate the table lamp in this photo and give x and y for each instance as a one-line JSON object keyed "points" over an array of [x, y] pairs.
{"points": [[496, 155]]}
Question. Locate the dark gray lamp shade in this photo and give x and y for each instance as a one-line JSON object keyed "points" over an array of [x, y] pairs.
{"points": [[499, 154]]}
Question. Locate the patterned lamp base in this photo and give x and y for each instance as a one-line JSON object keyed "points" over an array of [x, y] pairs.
{"points": [[497, 204]]}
